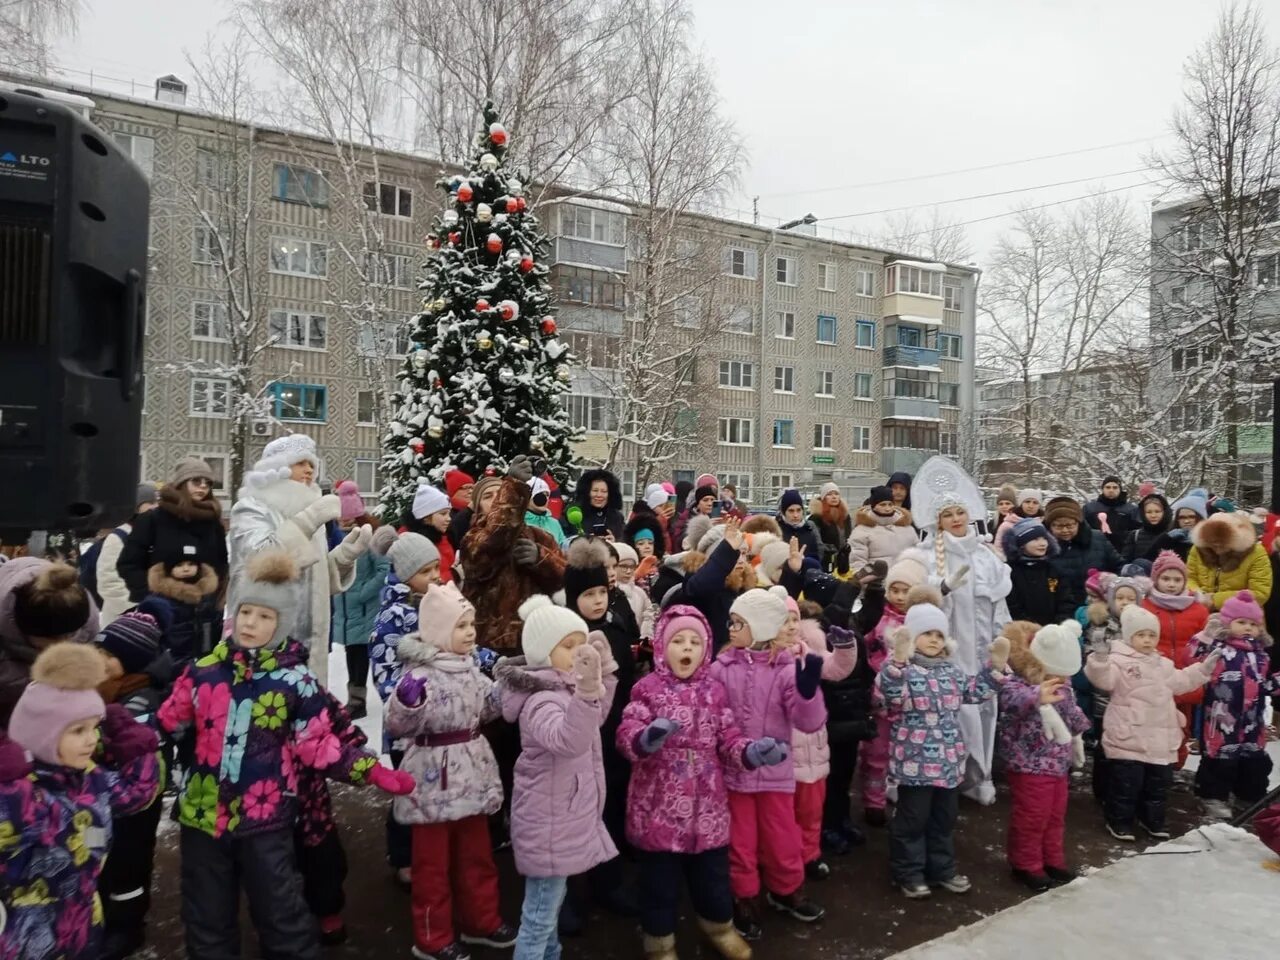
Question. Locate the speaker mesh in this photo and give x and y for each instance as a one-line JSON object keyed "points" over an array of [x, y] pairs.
{"points": [[24, 283]]}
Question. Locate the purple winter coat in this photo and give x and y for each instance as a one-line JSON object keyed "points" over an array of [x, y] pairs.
{"points": [[558, 796], [1020, 737], [765, 703], [677, 800]]}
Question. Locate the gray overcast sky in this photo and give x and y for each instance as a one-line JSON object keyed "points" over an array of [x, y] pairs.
{"points": [[832, 93]]}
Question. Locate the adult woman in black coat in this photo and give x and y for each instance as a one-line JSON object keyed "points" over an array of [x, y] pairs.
{"points": [[599, 496]]}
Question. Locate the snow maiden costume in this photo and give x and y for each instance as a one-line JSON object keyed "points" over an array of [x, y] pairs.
{"points": [[974, 584]]}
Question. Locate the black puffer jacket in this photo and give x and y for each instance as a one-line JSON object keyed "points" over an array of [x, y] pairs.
{"points": [[609, 517], [162, 533], [1122, 516], [849, 701], [1140, 541], [806, 533], [1090, 550]]}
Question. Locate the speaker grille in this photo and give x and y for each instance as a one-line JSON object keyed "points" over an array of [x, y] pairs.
{"points": [[24, 283]]}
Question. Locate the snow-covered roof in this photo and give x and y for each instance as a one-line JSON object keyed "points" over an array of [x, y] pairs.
{"points": [[940, 267], [594, 203], [899, 416], [913, 366], [912, 318]]}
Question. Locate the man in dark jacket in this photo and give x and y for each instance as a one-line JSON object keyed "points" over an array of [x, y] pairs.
{"points": [[1081, 548], [714, 586], [1121, 515], [792, 522]]}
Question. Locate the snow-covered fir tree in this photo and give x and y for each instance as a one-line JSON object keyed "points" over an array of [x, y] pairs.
{"points": [[484, 379]]}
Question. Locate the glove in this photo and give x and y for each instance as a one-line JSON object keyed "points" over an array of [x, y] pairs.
{"points": [[808, 673], [395, 782], [999, 653], [124, 738], [412, 690], [1205, 600], [841, 638], [15, 762], [955, 580], [647, 566], [765, 752], [608, 663], [655, 734], [525, 553], [353, 546], [312, 518], [520, 468], [588, 681], [902, 645], [162, 669], [1210, 663], [1077, 752]]}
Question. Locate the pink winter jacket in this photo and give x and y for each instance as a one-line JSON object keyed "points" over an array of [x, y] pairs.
{"points": [[1141, 722], [765, 703], [677, 800], [558, 796], [811, 751]]}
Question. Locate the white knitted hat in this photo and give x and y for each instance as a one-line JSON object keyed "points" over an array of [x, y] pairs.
{"points": [[764, 610], [278, 456], [1057, 647], [428, 500], [625, 553], [910, 572], [1134, 619], [828, 487], [695, 530], [1030, 494], [655, 495], [772, 556], [924, 617], [711, 539], [545, 625]]}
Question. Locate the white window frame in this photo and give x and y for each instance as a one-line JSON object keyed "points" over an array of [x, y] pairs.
{"points": [[915, 280], [595, 409], [373, 199], [300, 329], [822, 436], [817, 332], [204, 245], [784, 271], [786, 375], [952, 297], [211, 169], [860, 325], [311, 249], [861, 438], [205, 387], [141, 148], [743, 428], [395, 270], [827, 276], [949, 338], [213, 323], [865, 283], [368, 484], [372, 411], [688, 312], [786, 321], [741, 263], [943, 402], [741, 371], [792, 432], [607, 227], [741, 482], [221, 464], [738, 310], [297, 181], [1270, 262], [779, 482], [397, 334], [870, 382], [948, 443], [827, 379]]}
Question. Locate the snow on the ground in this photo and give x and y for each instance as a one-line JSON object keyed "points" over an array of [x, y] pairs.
{"points": [[372, 724], [1206, 894]]}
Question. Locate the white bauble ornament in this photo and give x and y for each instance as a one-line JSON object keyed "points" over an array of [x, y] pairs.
{"points": [[488, 163], [450, 218], [419, 359], [562, 374], [484, 212], [515, 187]]}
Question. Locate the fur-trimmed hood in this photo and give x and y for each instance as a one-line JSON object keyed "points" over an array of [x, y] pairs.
{"points": [[582, 492], [520, 681], [866, 517], [1216, 629], [1022, 661], [1224, 539], [190, 593], [647, 521], [413, 651], [178, 502]]}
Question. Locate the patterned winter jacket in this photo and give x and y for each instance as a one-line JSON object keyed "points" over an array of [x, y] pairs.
{"points": [[397, 617], [315, 807], [55, 829], [1020, 736], [677, 800], [1234, 700], [452, 764], [926, 748], [258, 716]]}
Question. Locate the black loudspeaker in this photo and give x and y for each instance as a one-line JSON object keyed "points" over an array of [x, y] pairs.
{"points": [[74, 213]]}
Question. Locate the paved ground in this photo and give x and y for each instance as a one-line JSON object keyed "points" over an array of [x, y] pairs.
{"points": [[865, 919]]}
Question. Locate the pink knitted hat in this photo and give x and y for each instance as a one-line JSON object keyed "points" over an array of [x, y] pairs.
{"points": [[349, 496], [1168, 560], [1242, 607], [63, 690]]}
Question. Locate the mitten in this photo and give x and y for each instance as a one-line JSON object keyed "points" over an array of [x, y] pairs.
{"points": [[608, 664], [525, 553], [1097, 613], [124, 738], [765, 752], [647, 566], [395, 782], [412, 690], [353, 546], [902, 645], [999, 653], [808, 673], [1209, 663], [655, 734], [1077, 752], [15, 762], [840, 637], [1055, 728], [311, 518], [521, 468], [588, 681], [954, 580]]}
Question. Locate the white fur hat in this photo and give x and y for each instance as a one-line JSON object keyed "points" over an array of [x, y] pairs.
{"points": [[1134, 619], [828, 487], [545, 625], [765, 611], [924, 617], [695, 530], [1057, 647], [428, 500], [278, 456], [773, 555], [655, 495], [908, 571], [1030, 493], [711, 539]]}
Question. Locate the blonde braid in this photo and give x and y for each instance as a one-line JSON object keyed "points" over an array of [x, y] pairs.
{"points": [[940, 551]]}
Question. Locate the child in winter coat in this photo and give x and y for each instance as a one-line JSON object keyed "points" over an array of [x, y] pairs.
{"points": [[259, 715], [430, 515], [680, 736], [415, 568], [882, 532], [1038, 595], [638, 597], [1233, 734], [1027, 507], [924, 691], [1181, 618], [1141, 728], [560, 692], [441, 701], [57, 809], [772, 693], [1039, 732], [188, 588]]}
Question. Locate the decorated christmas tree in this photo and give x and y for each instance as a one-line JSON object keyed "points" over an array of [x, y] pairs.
{"points": [[485, 374]]}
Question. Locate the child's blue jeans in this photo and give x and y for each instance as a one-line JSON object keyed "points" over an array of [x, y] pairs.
{"points": [[539, 937]]}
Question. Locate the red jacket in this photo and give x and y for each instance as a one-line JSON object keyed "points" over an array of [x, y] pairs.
{"points": [[1177, 628]]}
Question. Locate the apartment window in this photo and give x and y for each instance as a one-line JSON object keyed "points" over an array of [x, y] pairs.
{"points": [[862, 438], [910, 384], [209, 397], [827, 276], [1178, 295], [365, 412], [784, 433], [737, 374], [688, 312], [902, 278], [826, 329], [211, 170], [596, 414], [822, 436], [390, 270], [1196, 355], [299, 185], [204, 246], [627, 480], [784, 379], [388, 199], [779, 482], [864, 283], [950, 297], [1190, 416], [951, 346], [141, 149], [299, 258], [365, 474], [786, 325], [740, 319], [687, 371], [735, 431], [209, 320], [947, 444], [740, 263], [598, 226], [910, 437], [595, 349], [740, 482], [1190, 236], [686, 249], [300, 331], [1266, 269], [826, 385], [909, 336], [865, 334], [300, 401], [384, 338], [949, 394], [862, 386], [785, 271], [580, 285]]}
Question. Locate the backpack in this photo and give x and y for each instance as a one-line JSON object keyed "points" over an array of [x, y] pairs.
{"points": [[89, 566]]}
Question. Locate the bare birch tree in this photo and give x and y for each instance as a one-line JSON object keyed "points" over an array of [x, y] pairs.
{"points": [[29, 29], [932, 236]]}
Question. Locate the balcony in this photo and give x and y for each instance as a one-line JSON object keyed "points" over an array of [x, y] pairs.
{"points": [[903, 356], [586, 319], [910, 408], [893, 459], [587, 253]]}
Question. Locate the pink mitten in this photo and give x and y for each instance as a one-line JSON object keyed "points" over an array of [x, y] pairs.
{"points": [[1102, 523], [395, 782]]}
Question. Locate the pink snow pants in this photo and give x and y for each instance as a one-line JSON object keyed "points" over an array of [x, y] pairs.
{"points": [[809, 800], [873, 766], [764, 839], [1037, 821]]}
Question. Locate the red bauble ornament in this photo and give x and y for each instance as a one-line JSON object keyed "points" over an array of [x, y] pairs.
{"points": [[482, 305], [465, 193], [520, 204], [455, 238], [494, 243], [417, 445], [548, 325], [506, 311], [526, 263], [497, 134], [437, 383]]}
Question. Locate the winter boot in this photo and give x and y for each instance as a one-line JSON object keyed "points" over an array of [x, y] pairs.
{"points": [[817, 870], [875, 816], [660, 948], [1036, 882], [725, 940], [356, 701], [1060, 875], [745, 912], [796, 904]]}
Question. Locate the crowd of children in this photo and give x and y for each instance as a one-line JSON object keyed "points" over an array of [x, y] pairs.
{"points": [[681, 700]]}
